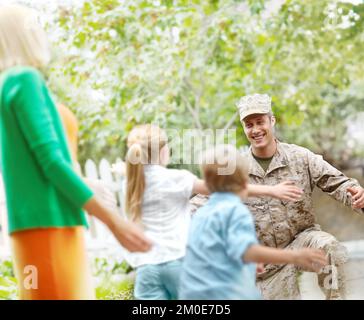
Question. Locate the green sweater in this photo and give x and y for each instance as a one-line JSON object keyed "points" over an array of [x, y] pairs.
{"points": [[42, 189]]}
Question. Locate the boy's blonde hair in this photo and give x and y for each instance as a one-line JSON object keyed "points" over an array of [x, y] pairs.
{"points": [[22, 40], [144, 145], [225, 169]]}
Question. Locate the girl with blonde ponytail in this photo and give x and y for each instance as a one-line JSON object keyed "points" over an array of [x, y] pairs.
{"points": [[145, 143], [135, 184], [158, 199]]}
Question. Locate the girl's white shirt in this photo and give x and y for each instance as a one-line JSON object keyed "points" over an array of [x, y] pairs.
{"points": [[165, 214]]}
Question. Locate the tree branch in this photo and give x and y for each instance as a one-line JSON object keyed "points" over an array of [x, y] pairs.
{"points": [[195, 116], [231, 121]]}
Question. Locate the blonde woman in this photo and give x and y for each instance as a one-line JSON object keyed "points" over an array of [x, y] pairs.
{"points": [[158, 199], [45, 196]]}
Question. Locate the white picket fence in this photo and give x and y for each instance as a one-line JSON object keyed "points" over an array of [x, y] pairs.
{"points": [[98, 237]]}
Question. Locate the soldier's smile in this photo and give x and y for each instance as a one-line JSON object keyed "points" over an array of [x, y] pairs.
{"points": [[258, 138]]}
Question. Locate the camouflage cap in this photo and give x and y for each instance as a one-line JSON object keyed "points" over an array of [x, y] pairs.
{"points": [[254, 104]]}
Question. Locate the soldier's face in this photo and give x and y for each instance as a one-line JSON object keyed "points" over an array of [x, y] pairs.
{"points": [[258, 129]]}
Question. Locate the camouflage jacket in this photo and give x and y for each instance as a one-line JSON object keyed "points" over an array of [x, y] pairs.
{"points": [[278, 222]]}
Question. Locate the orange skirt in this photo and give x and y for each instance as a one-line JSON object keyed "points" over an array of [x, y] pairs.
{"points": [[51, 264]]}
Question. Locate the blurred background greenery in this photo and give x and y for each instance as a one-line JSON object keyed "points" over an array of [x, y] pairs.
{"points": [[184, 64]]}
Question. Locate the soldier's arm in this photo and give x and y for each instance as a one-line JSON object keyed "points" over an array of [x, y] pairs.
{"points": [[332, 181]]}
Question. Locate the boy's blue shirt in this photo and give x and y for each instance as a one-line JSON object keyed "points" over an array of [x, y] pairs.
{"points": [[220, 233]]}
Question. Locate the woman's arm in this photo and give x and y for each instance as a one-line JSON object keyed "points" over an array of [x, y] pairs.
{"points": [[127, 233], [34, 115]]}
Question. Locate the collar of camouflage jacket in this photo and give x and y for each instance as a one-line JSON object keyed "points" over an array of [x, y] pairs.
{"points": [[279, 160]]}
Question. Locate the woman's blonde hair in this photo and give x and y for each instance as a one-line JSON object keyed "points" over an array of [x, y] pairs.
{"points": [[144, 145], [225, 169], [22, 40]]}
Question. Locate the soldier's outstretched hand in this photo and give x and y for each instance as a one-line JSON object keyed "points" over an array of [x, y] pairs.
{"points": [[357, 194]]}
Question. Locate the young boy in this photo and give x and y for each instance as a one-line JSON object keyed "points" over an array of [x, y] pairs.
{"points": [[222, 245]]}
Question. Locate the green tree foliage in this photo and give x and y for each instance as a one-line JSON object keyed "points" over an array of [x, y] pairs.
{"points": [[184, 64]]}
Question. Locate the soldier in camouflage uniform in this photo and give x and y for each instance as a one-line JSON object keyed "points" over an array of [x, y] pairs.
{"points": [[283, 224]]}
